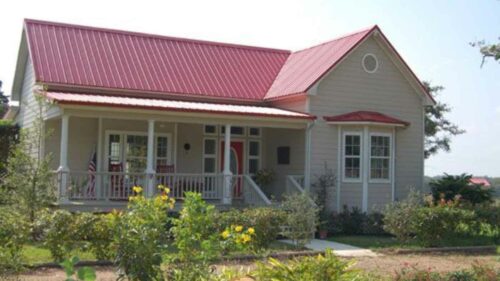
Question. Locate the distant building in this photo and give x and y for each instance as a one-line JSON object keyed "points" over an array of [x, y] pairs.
{"points": [[482, 181]]}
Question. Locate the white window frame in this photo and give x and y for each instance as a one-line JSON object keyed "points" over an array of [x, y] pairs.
{"points": [[376, 62], [205, 155], [344, 156], [390, 158], [123, 137], [250, 157]]}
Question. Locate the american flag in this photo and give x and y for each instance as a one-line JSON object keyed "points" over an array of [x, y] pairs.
{"points": [[91, 172]]}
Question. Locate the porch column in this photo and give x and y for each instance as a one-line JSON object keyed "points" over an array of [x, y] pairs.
{"points": [[365, 165], [226, 191], [307, 164], [150, 171], [99, 153], [63, 169]]}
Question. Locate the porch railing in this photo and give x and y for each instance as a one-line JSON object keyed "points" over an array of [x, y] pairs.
{"points": [[82, 185], [295, 183]]}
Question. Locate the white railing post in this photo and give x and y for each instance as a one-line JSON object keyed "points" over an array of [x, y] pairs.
{"points": [[63, 158], [226, 191], [150, 172]]}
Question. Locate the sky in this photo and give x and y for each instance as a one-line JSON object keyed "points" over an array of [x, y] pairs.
{"points": [[432, 36]]}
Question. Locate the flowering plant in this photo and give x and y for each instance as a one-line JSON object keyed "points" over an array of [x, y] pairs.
{"points": [[236, 237]]}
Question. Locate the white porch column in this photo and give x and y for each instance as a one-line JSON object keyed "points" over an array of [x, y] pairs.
{"points": [[307, 163], [99, 152], [63, 158], [365, 165], [150, 171], [226, 191]]}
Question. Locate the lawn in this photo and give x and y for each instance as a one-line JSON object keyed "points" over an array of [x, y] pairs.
{"points": [[379, 242], [36, 254]]}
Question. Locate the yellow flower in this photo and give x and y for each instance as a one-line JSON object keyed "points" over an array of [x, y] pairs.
{"points": [[246, 238], [251, 230], [131, 198], [166, 190], [164, 198], [238, 228], [225, 234], [137, 189]]}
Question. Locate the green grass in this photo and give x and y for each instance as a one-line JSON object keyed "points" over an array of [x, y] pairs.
{"points": [[33, 254], [379, 242]]}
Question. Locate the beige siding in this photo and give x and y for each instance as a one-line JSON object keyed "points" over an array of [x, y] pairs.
{"points": [[349, 88], [190, 161], [274, 138], [28, 106]]}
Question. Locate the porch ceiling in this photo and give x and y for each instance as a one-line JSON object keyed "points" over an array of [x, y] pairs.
{"points": [[174, 106]]}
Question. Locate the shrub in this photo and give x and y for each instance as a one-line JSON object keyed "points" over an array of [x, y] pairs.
{"points": [[14, 231], [354, 222], [478, 272], [60, 234], [400, 216], [141, 235], [301, 218], [325, 267], [450, 187], [266, 221], [97, 231], [82, 274], [373, 224]]}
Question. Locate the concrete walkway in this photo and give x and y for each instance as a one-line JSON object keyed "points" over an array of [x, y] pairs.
{"points": [[339, 249]]}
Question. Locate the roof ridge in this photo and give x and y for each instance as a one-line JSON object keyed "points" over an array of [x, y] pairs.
{"points": [[338, 38], [158, 36]]}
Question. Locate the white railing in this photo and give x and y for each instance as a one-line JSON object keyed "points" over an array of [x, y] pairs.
{"points": [[99, 185], [209, 186], [253, 195], [294, 183]]}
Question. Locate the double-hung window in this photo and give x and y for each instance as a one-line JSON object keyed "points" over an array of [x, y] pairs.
{"points": [[380, 157], [210, 155], [352, 156]]}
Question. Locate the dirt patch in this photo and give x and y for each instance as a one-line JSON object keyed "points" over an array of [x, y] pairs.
{"points": [[383, 265]]}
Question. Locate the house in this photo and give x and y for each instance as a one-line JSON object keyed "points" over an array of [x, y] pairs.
{"points": [[480, 181], [131, 109]]}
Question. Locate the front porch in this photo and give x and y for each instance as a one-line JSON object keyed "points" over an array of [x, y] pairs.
{"points": [[102, 155]]}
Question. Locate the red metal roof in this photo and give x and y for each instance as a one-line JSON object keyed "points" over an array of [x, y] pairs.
{"points": [[481, 181], [303, 68], [96, 57], [88, 58], [365, 116], [171, 105]]}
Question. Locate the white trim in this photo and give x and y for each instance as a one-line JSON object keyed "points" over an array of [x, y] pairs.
{"points": [[376, 62], [361, 147], [174, 154], [393, 162], [366, 137], [391, 156], [339, 164], [364, 123]]}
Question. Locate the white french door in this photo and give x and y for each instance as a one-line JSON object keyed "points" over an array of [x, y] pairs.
{"points": [[127, 151]]}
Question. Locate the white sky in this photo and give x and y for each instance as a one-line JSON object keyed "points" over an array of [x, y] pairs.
{"points": [[431, 35]]}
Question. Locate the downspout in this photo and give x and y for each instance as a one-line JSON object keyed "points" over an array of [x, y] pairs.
{"points": [[307, 164]]}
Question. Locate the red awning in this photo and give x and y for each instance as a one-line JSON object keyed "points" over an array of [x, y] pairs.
{"points": [[366, 117], [172, 105]]}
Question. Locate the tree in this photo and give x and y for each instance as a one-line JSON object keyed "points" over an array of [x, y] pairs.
{"points": [[438, 129], [4, 102], [488, 50], [29, 181]]}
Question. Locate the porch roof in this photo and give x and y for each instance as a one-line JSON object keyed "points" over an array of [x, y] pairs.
{"points": [[365, 117], [173, 105]]}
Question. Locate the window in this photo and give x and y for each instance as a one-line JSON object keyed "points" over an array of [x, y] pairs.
{"points": [[235, 130], [161, 151], [370, 63], [352, 156], [283, 155], [136, 148], [380, 157], [210, 130], [209, 155], [254, 132], [253, 156]]}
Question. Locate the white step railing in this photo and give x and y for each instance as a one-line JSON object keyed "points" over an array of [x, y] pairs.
{"points": [[253, 195], [294, 183]]}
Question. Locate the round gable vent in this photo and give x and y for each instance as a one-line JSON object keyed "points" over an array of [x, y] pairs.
{"points": [[370, 63]]}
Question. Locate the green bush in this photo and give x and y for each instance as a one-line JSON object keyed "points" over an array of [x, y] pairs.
{"points": [[451, 187], [354, 222], [14, 232], [60, 234], [478, 272], [266, 221], [301, 218], [323, 267], [141, 236], [97, 231], [400, 216]]}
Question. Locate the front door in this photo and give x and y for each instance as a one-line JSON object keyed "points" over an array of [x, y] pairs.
{"points": [[235, 164]]}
